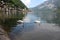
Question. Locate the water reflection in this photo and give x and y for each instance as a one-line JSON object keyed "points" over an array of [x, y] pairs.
{"points": [[27, 26], [55, 19], [33, 31], [16, 31], [30, 18], [18, 28]]}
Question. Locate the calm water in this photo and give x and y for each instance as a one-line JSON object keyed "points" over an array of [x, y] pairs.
{"points": [[33, 31], [28, 24]]}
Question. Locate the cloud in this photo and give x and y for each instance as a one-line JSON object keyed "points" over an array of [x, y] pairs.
{"points": [[26, 2]]}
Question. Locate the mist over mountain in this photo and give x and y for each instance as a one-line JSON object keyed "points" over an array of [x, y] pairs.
{"points": [[46, 10]]}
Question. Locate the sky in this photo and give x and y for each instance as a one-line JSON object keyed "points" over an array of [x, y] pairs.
{"points": [[32, 3]]}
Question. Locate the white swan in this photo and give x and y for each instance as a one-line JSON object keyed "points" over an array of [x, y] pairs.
{"points": [[20, 21], [37, 21]]}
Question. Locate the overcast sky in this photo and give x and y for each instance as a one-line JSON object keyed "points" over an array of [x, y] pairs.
{"points": [[32, 3]]}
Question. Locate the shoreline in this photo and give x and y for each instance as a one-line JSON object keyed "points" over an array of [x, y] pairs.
{"points": [[3, 34]]}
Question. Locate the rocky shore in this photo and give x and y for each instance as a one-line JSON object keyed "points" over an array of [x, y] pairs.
{"points": [[3, 34]]}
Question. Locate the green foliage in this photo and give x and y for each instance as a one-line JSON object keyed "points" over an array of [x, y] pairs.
{"points": [[8, 23], [16, 3], [57, 18], [19, 3], [11, 20]]}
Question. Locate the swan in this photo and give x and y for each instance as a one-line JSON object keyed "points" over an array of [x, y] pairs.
{"points": [[20, 21], [37, 21]]}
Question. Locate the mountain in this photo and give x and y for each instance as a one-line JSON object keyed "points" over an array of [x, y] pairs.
{"points": [[47, 9]]}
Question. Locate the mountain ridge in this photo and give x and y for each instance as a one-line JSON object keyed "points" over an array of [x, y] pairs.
{"points": [[46, 10]]}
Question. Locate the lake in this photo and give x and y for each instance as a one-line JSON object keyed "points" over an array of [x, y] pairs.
{"points": [[33, 31]]}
